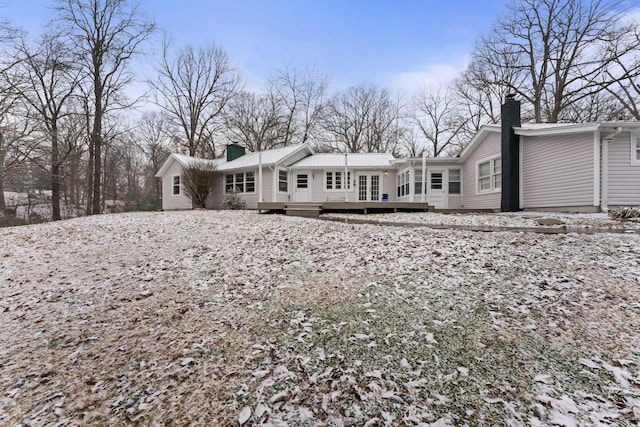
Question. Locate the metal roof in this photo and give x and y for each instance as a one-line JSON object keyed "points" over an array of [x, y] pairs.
{"points": [[353, 160], [269, 157]]}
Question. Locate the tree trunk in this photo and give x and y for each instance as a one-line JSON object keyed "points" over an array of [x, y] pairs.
{"points": [[2, 202], [55, 176], [89, 189]]}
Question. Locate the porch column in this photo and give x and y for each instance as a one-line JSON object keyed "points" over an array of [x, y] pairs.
{"points": [[260, 199], [345, 182], [424, 176]]}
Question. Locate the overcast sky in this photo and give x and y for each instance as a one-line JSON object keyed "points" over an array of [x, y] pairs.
{"points": [[398, 44]]}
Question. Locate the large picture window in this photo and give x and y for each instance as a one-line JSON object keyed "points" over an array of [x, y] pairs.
{"points": [[244, 182], [489, 175], [335, 181]]}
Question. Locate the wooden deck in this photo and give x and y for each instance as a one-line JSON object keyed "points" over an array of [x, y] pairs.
{"points": [[313, 209]]}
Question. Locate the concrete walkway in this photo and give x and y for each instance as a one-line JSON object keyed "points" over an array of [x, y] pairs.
{"points": [[487, 228]]}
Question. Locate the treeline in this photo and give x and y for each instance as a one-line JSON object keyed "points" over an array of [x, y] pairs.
{"points": [[70, 124]]}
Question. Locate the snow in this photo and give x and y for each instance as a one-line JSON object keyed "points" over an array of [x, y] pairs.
{"points": [[525, 219], [227, 318]]}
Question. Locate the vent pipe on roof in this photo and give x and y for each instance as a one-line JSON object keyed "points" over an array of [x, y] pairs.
{"points": [[510, 147]]}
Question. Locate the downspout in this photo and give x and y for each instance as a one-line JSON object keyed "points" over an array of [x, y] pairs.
{"points": [[604, 171]]}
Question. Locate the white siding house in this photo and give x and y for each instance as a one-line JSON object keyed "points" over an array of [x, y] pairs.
{"points": [[570, 167], [621, 170], [482, 170]]}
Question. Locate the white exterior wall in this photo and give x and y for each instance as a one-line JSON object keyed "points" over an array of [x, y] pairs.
{"points": [[319, 193], [169, 201], [557, 171], [623, 179], [489, 147], [251, 199]]}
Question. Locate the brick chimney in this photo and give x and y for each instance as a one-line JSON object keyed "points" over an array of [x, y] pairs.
{"points": [[510, 145]]}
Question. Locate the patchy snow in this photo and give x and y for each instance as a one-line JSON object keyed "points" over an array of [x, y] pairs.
{"points": [[526, 219], [228, 318]]}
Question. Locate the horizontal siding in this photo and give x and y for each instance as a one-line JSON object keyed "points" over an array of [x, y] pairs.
{"points": [[169, 201], [557, 171], [489, 147], [623, 179]]}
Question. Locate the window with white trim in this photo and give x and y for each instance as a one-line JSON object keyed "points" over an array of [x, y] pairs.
{"points": [[283, 181], [454, 181], [302, 180], [489, 174], [334, 181], [175, 185], [244, 182], [417, 182], [635, 150], [404, 184]]}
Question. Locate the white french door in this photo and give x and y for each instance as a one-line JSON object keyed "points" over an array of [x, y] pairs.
{"points": [[369, 187]]}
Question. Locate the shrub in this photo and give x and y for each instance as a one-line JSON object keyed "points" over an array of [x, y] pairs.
{"points": [[233, 201], [198, 179], [624, 213]]}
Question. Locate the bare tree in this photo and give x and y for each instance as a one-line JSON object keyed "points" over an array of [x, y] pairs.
{"points": [[435, 111], [300, 95], [51, 80], [152, 140], [106, 35], [255, 121], [198, 179], [553, 52], [193, 88], [364, 118]]}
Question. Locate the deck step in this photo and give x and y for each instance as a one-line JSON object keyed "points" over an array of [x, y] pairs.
{"points": [[308, 210]]}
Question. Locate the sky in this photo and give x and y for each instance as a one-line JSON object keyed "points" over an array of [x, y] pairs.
{"points": [[401, 45]]}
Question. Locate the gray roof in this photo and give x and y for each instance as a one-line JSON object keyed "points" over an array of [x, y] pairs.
{"points": [[354, 160], [269, 157]]}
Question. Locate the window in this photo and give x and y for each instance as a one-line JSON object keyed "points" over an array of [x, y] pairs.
{"points": [[635, 150], [334, 181], [240, 182], [417, 181], [283, 182], [490, 175], [250, 182], [302, 181], [228, 183], [436, 180], [175, 185], [404, 184], [454, 181]]}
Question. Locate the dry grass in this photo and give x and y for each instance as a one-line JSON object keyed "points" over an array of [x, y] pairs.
{"points": [[189, 318]]}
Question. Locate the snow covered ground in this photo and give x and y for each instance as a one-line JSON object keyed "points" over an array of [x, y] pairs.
{"points": [[227, 318], [504, 219]]}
